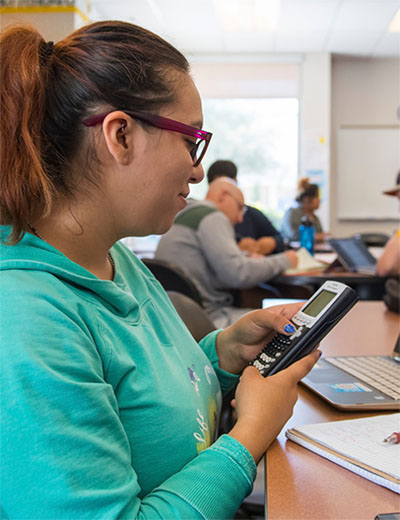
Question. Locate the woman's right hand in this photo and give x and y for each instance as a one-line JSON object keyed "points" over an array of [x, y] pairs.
{"points": [[263, 405]]}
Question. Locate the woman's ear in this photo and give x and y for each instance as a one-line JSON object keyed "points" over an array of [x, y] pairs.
{"points": [[118, 135]]}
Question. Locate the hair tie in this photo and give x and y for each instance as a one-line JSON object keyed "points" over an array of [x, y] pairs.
{"points": [[45, 51]]}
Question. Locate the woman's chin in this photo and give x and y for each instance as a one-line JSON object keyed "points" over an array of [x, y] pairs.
{"points": [[169, 217], [164, 226]]}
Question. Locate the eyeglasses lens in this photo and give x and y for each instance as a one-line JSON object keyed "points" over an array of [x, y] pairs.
{"points": [[198, 150]]}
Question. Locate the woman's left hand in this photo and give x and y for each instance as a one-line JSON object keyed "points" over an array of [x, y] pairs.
{"points": [[238, 344]]}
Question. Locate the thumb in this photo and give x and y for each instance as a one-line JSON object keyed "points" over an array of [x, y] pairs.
{"points": [[302, 367]]}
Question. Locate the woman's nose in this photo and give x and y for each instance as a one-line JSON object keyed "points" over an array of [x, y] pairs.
{"points": [[197, 175]]}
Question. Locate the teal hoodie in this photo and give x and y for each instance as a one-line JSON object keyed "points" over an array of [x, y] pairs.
{"points": [[109, 407]]}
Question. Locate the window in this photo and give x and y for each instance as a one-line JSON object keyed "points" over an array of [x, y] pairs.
{"points": [[261, 137]]}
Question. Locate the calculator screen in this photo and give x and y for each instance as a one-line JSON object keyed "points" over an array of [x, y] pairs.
{"points": [[319, 303]]}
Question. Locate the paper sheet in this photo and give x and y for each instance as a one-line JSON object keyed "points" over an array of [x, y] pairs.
{"points": [[306, 262], [361, 439]]}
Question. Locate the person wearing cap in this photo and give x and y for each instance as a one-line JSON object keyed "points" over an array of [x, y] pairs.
{"points": [[388, 263]]}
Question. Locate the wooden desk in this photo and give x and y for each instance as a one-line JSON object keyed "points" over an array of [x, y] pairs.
{"points": [[303, 284], [368, 287], [302, 485]]}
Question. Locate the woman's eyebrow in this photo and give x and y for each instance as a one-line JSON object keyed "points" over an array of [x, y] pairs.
{"points": [[197, 124]]}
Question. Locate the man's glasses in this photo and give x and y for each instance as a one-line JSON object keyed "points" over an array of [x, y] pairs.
{"points": [[198, 149]]}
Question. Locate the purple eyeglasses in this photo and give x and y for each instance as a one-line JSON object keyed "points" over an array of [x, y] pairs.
{"points": [[198, 149]]}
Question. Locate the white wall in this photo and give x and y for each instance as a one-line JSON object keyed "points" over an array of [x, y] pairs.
{"points": [[260, 79], [51, 26], [315, 117], [53, 22], [364, 92]]}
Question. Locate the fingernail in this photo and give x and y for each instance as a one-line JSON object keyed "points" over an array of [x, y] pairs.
{"points": [[289, 328]]}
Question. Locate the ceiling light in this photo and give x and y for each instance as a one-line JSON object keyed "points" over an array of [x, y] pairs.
{"points": [[248, 15], [394, 25]]}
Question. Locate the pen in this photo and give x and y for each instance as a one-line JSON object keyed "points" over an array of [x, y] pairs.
{"points": [[394, 438]]}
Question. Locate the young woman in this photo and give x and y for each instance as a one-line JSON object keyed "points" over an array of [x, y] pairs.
{"points": [[307, 202], [109, 407]]}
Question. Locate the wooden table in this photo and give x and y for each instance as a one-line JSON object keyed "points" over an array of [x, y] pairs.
{"points": [[368, 287], [302, 285], [302, 485]]}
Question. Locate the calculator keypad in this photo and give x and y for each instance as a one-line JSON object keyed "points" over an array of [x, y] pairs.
{"points": [[272, 352]]}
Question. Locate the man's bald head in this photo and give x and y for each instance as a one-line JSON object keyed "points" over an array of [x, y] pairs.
{"points": [[228, 198]]}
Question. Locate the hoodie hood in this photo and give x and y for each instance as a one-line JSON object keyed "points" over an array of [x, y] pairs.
{"points": [[36, 256]]}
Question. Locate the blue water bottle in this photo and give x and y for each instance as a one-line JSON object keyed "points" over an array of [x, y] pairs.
{"points": [[307, 234]]}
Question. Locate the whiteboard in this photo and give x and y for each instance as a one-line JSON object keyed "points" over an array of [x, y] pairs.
{"points": [[368, 159]]}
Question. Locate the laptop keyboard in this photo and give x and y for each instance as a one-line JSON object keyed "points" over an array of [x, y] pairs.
{"points": [[381, 373]]}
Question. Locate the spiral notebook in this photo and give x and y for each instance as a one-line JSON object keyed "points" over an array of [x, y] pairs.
{"points": [[357, 445]]}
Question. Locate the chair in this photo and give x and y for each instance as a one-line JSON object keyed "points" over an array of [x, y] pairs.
{"points": [[192, 314], [392, 295], [173, 278], [199, 325], [373, 239]]}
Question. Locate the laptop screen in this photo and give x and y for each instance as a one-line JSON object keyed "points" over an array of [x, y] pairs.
{"points": [[353, 252], [358, 256]]}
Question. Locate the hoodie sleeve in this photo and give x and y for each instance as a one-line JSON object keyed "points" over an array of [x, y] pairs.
{"points": [[230, 265], [226, 380]]}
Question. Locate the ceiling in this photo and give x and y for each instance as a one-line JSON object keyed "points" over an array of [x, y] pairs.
{"points": [[196, 27]]}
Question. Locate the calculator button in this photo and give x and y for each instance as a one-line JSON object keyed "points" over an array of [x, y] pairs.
{"points": [[297, 333], [258, 365], [266, 358]]}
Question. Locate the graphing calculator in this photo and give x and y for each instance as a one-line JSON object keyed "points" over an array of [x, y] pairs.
{"points": [[313, 321]]}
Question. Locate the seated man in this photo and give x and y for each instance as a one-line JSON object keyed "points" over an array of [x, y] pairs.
{"points": [[255, 233], [202, 242]]}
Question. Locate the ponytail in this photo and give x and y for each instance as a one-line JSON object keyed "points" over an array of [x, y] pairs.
{"points": [[24, 184], [305, 189]]}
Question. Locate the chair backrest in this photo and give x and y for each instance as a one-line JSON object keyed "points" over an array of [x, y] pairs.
{"points": [[173, 278], [192, 314]]}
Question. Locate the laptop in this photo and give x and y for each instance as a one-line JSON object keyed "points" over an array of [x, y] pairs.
{"points": [[358, 382], [353, 254]]}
